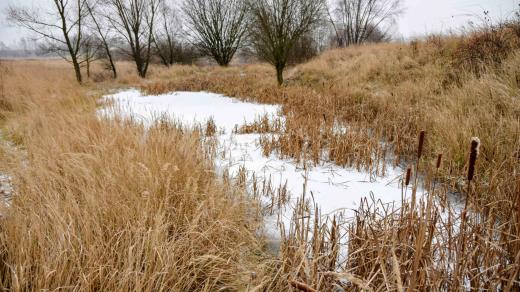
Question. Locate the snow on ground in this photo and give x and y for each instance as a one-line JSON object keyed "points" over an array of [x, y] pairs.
{"points": [[190, 108], [6, 193], [333, 188]]}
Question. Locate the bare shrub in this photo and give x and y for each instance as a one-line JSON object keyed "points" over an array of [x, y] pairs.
{"points": [[485, 48], [359, 21]]}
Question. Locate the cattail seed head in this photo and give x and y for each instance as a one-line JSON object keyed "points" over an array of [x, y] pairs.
{"points": [[475, 144], [408, 176], [439, 160], [421, 144]]}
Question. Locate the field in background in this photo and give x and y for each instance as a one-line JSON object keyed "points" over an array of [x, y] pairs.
{"points": [[100, 205]]}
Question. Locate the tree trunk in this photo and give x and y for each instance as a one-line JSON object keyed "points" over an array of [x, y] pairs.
{"points": [[88, 68], [112, 65], [105, 43], [77, 69], [109, 56], [139, 63], [279, 74]]}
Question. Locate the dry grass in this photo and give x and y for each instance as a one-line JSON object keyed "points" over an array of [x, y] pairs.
{"points": [[381, 93], [102, 205], [425, 244], [344, 104]]}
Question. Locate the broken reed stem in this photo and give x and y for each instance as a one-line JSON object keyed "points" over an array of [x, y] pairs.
{"points": [[518, 205], [422, 135], [437, 166], [302, 286], [334, 249]]}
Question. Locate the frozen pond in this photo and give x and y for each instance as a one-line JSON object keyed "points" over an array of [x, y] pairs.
{"points": [[332, 188]]}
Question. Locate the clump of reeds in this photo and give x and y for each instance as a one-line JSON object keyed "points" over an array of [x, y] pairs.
{"points": [[421, 245], [211, 128]]}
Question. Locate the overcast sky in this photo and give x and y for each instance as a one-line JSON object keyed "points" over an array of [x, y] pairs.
{"points": [[421, 16]]}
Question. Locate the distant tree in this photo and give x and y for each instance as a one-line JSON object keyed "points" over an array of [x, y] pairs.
{"points": [[166, 34], [279, 25], [358, 21], [217, 27], [134, 20], [91, 48], [61, 25], [103, 31]]}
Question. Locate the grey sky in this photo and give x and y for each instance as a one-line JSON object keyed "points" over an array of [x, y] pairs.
{"points": [[421, 16]]}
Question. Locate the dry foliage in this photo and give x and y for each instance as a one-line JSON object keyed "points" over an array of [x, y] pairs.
{"points": [[363, 105], [101, 205]]}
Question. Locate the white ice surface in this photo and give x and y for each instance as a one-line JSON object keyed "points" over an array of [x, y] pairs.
{"points": [[190, 108], [333, 188]]}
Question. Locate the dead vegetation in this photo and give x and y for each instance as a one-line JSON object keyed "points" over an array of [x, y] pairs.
{"points": [[360, 106], [99, 205], [429, 242], [102, 206]]}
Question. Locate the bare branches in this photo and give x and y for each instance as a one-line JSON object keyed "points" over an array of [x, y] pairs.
{"points": [[103, 32], [62, 27], [218, 27], [279, 25], [134, 20], [166, 35], [358, 21]]}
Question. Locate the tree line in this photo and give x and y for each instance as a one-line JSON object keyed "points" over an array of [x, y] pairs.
{"points": [[276, 31]]}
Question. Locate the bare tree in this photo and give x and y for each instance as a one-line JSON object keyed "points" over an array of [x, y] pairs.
{"points": [[91, 47], [358, 21], [279, 24], [166, 34], [103, 30], [134, 20], [218, 27], [61, 25]]}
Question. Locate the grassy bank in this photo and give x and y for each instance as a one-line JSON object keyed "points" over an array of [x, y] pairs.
{"points": [[102, 205]]}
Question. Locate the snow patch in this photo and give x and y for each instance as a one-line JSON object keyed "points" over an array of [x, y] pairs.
{"points": [[331, 187]]}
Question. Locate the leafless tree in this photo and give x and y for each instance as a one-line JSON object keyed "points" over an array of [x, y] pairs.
{"points": [[103, 31], [166, 35], [134, 20], [61, 25], [279, 25], [91, 48], [218, 27], [358, 21]]}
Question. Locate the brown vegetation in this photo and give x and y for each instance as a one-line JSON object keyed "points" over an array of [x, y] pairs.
{"points": [[100, 205]]}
